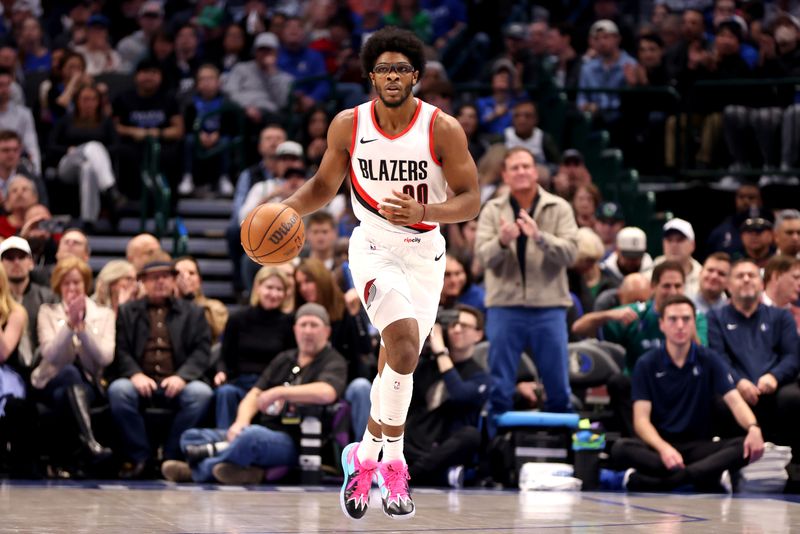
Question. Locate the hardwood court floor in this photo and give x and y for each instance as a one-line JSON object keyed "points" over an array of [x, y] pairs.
{"points": [[167, 508]]}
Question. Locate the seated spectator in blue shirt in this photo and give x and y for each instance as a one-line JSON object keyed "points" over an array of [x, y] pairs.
{"points": [[494, 112], [607, 69], [674, 388], [262, 436], [760, 343], [297, 59]]}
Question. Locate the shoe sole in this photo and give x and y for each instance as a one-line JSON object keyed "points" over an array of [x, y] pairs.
{"points": [[344, 487], [400, 517]]}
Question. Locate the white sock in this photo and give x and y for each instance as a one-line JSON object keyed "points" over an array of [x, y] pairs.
{"points": [[395, 397], [370, 447]]}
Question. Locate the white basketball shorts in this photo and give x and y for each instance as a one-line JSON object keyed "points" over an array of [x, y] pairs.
{"points": [[410, 265]]}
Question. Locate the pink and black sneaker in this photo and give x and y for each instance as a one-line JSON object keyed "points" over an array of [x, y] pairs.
{"points": [[354, 495], [393, 481]]}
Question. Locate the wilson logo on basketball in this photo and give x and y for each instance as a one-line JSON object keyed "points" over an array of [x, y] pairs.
{"points": [[283, 230]]}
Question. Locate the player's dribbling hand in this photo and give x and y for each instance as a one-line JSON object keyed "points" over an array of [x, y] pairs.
{"points": [[401, 210]]}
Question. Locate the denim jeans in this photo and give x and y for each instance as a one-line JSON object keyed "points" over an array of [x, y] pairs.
{"points": [[357, 395], [544, 330], [228, 396], [190, 406], [255, 446]]}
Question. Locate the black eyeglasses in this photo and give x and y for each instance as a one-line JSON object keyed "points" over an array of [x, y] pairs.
{"points": [[465, 326], [382, 69]]}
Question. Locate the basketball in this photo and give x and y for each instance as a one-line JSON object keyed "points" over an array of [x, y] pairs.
{"points": [[272, 233]]}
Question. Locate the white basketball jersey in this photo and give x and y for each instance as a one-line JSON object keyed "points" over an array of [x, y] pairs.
{"points": [[381, 163]]}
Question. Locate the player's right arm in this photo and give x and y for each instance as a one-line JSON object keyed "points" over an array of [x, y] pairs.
{"points": [[323, 186]]}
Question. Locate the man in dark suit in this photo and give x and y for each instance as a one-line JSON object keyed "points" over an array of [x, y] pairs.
{"points": [[162, 351]]}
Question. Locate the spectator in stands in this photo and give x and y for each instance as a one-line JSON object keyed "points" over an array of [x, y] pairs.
{"points": [[585, 202], [494, 111], [524, 132], [17, 260], [97, 51], [38, 228], [526, 239], [467, 116], [68, 75], [259, 86], [756, 232], [629, 256], [233, 51], [459, 287], [726, 237], [8, 60], [21, 196], [787, 233], [142, 249], [143, 115], [11, 165], [674, 388], [314, 373], [565, 62], [299, 61], [760, 343], [134, 47], [606, 70], [77, 343], [781, 282], [679, 244], [349, 324], [73, 242], [693, 40], [586, 280], [211, 121], [189, 286], [407, 14], [80, 144], [181, 66], [609, 221], [315, 136], [571, 173], [450, 389], [73, 26], [116, 285], [16, 411], [321, 238], [290, 158], [19, 119], [33, 54], [713, 283], [268, 141], [161, 353], [253, 337], [635, 287]]}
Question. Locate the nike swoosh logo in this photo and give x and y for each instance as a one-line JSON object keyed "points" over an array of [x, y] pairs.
{"points": [[732, 326], [660, 374], [365, 141], [439, 257]]}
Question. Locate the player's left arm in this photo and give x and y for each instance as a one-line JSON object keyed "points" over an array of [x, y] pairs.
{"points": [[458, 167]]}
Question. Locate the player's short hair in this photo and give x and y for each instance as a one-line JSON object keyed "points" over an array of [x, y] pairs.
{"points": [[392, 39], [664, 266]]}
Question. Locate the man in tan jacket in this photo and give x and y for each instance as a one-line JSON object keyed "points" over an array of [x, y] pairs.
{"points": [[526, 240]]}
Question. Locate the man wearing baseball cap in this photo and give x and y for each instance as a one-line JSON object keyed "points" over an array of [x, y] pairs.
{"points": [[259, 86], [757, 237], [629, 256], [678, 245], [15, 253], [266, 431], [609, 220]]}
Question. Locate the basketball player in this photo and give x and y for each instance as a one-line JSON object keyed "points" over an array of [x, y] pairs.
{"points": [[402, 154]]}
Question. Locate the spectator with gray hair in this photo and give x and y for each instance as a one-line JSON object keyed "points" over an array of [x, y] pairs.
{"points": [[21, 195], [787, 232]]}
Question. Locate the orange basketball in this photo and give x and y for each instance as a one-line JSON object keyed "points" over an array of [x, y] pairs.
{"points": [[272, 233]]}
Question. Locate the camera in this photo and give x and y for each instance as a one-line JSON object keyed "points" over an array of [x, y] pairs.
{"points": [[53, 226], [446, 317]]}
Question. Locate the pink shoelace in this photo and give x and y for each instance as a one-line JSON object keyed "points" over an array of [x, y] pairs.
{"points": [[362, 482], [395, 474]]}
